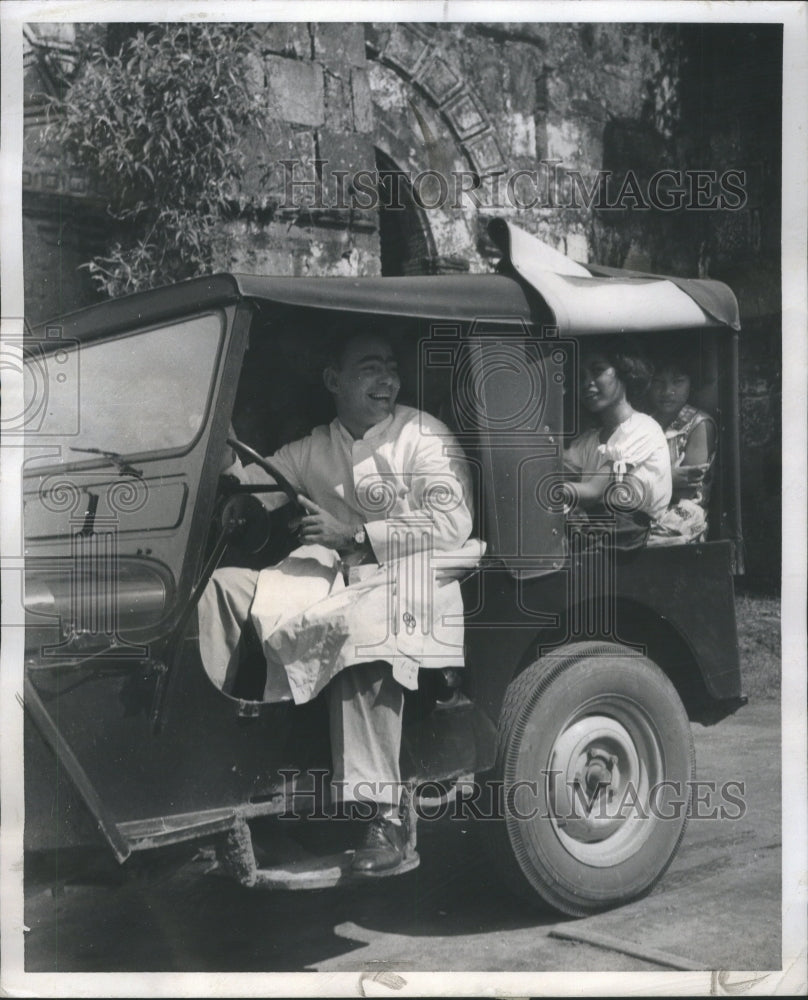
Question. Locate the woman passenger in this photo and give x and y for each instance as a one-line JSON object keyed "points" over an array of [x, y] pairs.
{"points": [[626, 445]]}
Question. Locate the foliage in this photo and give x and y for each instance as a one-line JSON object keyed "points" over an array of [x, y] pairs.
{"points": [[156, 127], [758, 618]]}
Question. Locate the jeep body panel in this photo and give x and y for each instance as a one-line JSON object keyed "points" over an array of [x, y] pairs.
{"points": [[121, 708]]}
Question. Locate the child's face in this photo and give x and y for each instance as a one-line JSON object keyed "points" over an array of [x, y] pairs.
{"points": [[669, 391]]}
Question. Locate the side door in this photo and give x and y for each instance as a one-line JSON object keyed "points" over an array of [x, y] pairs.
{"points": [[119, 481]]}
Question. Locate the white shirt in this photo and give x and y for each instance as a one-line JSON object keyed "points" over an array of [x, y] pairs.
{"points": [[406, 472], [403, 481], [640, 443]]}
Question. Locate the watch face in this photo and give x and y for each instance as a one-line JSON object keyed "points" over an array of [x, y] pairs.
{"points": [[359, 537]]}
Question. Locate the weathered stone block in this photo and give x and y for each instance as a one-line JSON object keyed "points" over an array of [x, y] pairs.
{"points": [[522, 71], [350, 152], [300, 143], [438, 78], [486, 77], [252, 145], [391, 93], [485, 153], [521, 132], [295, 90], [564, 143], [406, 47], [302, 247], [338, 100], [465, 115], [264, 177], [587, 107], [254, 75], [339, 42], [286, 38], [297, 178], [361, 100]]}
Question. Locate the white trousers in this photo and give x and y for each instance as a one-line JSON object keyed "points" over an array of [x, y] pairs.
{"points": [[365, 701]]}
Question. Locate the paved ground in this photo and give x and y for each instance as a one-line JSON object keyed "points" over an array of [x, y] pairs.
{"points": [[718, 906]]}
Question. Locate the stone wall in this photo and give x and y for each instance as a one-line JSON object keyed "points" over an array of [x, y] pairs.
{"points": [[314, 80], [470, 102], [479, 103], [476, 103]]}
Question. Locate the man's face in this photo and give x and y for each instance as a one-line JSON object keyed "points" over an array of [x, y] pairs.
{"points": [[365, 385]]}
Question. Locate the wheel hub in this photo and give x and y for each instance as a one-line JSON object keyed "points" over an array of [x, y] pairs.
{"points": [[596, 779], [598, 771]]}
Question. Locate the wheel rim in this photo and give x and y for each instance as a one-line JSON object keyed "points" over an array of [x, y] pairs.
{"points": [[602, 766]]}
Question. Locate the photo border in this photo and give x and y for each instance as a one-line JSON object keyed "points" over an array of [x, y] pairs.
{"points": [[791, 977]]}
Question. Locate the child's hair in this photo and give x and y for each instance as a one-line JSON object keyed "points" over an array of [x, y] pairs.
{"points": [[684, 361], [628, 360]]}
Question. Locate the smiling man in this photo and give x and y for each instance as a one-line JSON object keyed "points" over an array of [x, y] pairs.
{"points": [[382, 487]]}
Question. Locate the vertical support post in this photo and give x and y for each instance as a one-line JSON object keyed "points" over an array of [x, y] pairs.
{"points": [[591, 583]]}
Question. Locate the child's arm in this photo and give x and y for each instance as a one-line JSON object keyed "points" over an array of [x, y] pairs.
{"points": [[700, 444], [698, 453]]}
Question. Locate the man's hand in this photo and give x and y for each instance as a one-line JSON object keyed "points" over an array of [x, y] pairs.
{"points": [[318, 527]]}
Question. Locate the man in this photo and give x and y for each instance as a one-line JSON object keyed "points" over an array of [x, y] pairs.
{"points": [[385, 496]]}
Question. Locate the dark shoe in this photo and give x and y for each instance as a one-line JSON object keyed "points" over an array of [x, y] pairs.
{"points": [[384, 847]]}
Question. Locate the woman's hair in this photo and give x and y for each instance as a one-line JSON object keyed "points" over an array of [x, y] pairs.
{"points": [[628, 360]]}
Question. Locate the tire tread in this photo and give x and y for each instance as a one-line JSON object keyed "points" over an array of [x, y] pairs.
{"points": [[520, 698]]}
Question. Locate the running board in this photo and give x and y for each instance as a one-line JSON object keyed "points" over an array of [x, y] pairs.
{"points": [[162, 831], [299, 869], [314, 872]]}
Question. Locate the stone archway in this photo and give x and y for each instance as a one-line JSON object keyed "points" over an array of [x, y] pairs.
{"points": [[428, 120], [418, 60], [407, 244]]}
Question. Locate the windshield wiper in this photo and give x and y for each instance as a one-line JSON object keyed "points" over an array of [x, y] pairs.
{"points": [[120, 463]]}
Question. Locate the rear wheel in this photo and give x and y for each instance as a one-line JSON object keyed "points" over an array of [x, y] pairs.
{"points": [[596, 760]]}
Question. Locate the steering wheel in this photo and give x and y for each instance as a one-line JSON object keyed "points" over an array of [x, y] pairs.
{"points": [[243, 518], [245, 451]]}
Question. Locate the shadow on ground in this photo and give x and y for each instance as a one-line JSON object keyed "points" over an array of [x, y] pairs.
{"points": [[188, 920]]}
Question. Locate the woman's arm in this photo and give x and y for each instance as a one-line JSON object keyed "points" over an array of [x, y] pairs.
{"points": [[587, 474], [590, 490]]}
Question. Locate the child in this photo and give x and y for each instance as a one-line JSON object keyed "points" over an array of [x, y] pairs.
{"points": [[691, 436]]}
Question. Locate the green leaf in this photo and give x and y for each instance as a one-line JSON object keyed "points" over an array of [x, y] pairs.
{"points": [[160, 126]]}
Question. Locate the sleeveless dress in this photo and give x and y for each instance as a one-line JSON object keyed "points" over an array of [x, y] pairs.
{"points": [[686, 518]]}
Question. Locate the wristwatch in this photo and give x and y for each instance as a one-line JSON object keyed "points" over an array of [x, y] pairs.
{"points": [[360, 536]]}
